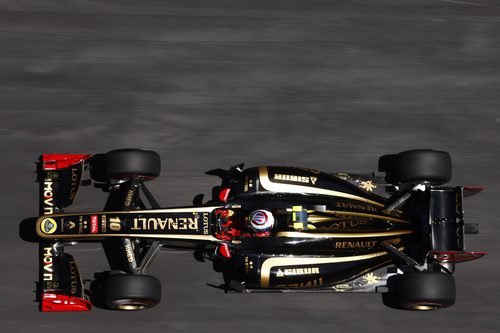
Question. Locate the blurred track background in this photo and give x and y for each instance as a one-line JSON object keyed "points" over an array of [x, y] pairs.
{"points": [[325, 84]]}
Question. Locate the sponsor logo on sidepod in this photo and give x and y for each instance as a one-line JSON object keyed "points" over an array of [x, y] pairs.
{"points": [[94, 224]]}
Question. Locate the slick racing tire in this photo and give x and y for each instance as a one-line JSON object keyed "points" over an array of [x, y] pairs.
{"points": [[416, 166], [421, 291], [128, 292], [133, 163]]}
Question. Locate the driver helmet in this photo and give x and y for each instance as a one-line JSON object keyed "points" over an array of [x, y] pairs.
{"points": [[261, 220]]}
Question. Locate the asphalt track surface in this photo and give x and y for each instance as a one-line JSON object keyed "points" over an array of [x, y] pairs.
{"points": [[325, 84]]}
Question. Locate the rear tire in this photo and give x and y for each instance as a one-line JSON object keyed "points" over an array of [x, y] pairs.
{"points": [[416, 166], [421, 291], [129, 292], [133, 163]]}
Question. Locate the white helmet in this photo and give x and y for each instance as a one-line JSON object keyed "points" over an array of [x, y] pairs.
{"points": [[261, 220]]}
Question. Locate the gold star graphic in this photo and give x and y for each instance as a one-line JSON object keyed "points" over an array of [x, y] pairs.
{"points": [[371, 278], [368, 185]]}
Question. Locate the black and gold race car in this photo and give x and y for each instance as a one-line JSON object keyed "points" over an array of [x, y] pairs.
{"points": [[398, 232]]}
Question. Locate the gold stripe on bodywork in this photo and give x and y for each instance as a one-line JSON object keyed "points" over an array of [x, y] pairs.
{"points": [[381, 217], [295, 234], [289, 188], [159, 236], [148, 211], [269, 263]]}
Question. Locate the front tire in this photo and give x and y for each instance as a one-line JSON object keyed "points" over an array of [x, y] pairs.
{"points": [[129, 292], [133, 163]]}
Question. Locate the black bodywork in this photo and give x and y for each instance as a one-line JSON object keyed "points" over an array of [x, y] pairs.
{"points": [[332, 231]]}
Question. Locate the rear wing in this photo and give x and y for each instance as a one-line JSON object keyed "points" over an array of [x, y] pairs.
{"points": [[60, 287], [447, 226]]}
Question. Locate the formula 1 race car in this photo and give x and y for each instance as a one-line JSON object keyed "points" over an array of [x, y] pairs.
{"points": [[398, 232]]}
